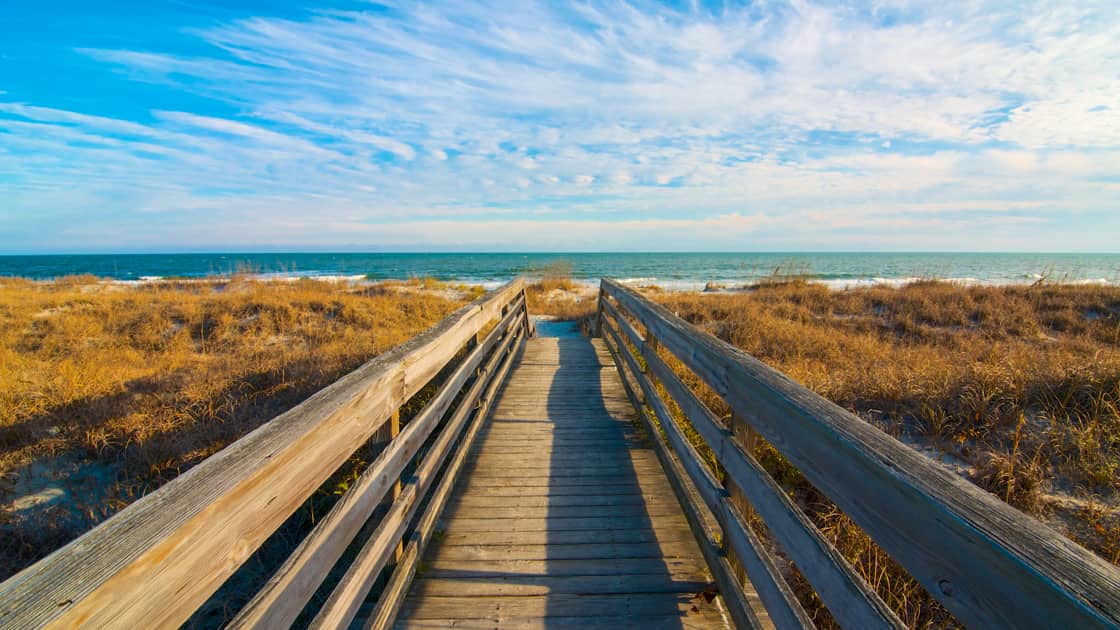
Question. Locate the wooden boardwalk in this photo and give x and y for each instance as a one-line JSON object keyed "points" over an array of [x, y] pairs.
{"points": [[563, 516], [535, 501]]}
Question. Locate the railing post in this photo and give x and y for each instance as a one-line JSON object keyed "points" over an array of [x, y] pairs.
{"points": [[525, 307], [393, 428], [653, 345], [379, 441], [599, 311], [747, 437], [474, 344]]}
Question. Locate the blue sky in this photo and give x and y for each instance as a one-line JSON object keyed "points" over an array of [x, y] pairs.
{"points": [[242, 125]]}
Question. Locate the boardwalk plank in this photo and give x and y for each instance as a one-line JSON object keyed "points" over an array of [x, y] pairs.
{"points": [[574, 537], [566, 605], [556, 551], [664, 568], [563, 515], [550, 512], [554, 524], [543, 488], [520, 585], [665, 622], [546, 500]]}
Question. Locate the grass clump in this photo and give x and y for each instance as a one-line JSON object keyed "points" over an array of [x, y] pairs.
{"points": [[109, 391], [556, 275], [556, 295]]}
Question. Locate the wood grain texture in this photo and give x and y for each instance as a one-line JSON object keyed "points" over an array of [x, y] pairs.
{"points": [[989, 564], [507, 554], [157, 560], [852, 602], [590, 606], [698, 486], [392, 596], [346, 598], [505, 622], [284, 596], [744, 608]]}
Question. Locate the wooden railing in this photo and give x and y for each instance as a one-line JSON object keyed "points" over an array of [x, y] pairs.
{"points": [[158, 560], [988, 564]]}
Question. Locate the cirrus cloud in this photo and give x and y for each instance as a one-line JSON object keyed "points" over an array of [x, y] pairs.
{"points": [[762, 126]]}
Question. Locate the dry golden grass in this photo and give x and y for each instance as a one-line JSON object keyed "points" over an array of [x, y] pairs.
{"points": [[126, 387], [555, 294], [1021, 385], [563, 303]]}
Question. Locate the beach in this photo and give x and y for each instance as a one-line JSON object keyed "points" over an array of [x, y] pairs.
{"points": [[688, 271], [114, 387]]}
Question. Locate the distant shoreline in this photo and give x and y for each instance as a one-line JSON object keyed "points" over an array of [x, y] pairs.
{"points": [[588, 284], [669, 271]]}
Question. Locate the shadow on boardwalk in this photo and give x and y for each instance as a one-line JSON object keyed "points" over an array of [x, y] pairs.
{"points": [[564, 517]]}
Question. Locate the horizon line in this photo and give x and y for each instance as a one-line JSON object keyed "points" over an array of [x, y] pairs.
{"points": [[251, 252]]}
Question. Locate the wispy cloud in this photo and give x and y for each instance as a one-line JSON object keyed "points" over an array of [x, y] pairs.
{"points": [[773, 125]]}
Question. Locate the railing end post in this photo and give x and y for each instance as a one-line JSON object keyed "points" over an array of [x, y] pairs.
{"points": [[598, 332]]}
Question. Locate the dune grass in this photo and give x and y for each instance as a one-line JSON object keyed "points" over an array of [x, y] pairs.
{"points": [[1018, 386], [566, 304], [555, 294], [108, 391], [133, 385]]}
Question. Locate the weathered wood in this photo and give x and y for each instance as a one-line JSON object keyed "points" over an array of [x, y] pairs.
{"points": [[593, 478], [482, 501], [347, 596], [665, 568], [579, 457], [740, 433], [700, 523], [508, 452], [394, 426], [467, 524], [392, 596], [531, 552], [556, 551], [504, 622], [607, 443], [590, 456], [508, 538], [530, 327], [569, 511], [781, 604], [544, 487], [989, 564], [528, 585], [634, 606], [388, 604], [280, 601], [589, 472], [157, 560], [852, 602]]}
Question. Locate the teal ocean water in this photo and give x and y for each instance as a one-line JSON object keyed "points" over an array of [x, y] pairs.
{"points": [[669, 270]]}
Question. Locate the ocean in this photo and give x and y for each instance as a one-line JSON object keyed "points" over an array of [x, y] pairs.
{"points": [[682, 271]]}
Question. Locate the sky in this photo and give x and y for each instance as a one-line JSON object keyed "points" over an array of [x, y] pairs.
{"points": [[257, 125]]}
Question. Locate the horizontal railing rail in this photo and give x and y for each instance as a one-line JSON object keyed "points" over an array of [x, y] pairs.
{"points": [[988, 564], [158, 560]]}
